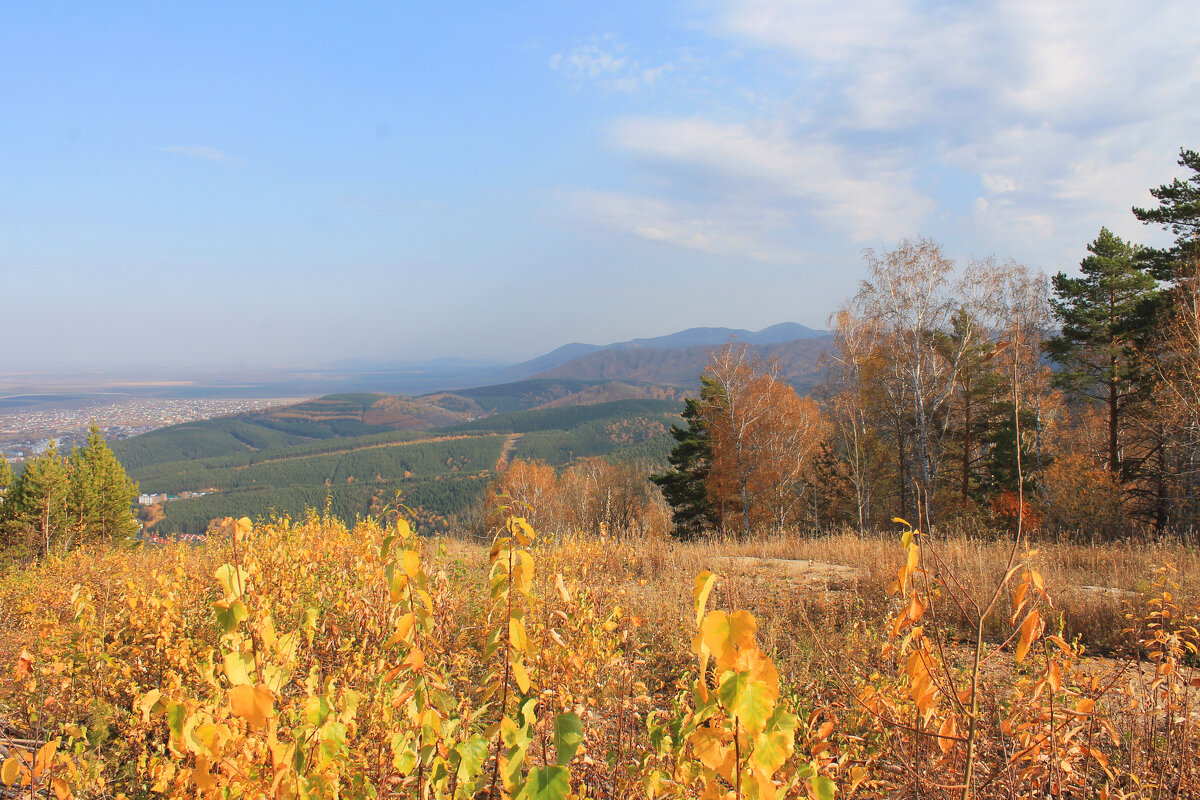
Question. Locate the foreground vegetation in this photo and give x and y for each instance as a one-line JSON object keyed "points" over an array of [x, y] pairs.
{"points": [[311, 660]]}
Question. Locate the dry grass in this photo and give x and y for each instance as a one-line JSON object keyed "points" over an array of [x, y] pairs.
{"points": [[822, 606]]}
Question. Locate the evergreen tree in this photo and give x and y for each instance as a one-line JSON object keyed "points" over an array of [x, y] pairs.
{"points": [[34, 514], [684, 485], [6, 478], [1178, 211], [101, 494], [1106, 314]]}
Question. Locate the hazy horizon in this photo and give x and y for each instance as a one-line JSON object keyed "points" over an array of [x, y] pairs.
{"points": [[242, 187]]}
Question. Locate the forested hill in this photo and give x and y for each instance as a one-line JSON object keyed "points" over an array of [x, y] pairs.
{"points": [[349, 415], [350, 453]]}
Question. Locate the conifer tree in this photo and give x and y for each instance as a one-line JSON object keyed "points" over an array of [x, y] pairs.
{"points": [[6, 477], [101, 496], [34, 513], [1106, 314], [1178, 211], [684, 486]]}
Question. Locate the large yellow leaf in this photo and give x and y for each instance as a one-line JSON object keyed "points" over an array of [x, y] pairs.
{"points": [[403, 630], [516, 635], [709, 746], [255, 704], [521, 676], [522, 573], [759, 667], [724, 633], [412, 563], [11, 771], [238, 667]]}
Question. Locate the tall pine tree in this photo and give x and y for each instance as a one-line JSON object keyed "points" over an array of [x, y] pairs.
{"points": [[35, 507], [1106, 314], [1178, 211], [683, 486], [102, 496]]}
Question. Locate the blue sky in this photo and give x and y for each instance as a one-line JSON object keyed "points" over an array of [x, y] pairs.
{"points": [[285, 184]]}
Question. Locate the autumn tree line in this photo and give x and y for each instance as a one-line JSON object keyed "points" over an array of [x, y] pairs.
{"points": [[975, 397], [58, 501]]}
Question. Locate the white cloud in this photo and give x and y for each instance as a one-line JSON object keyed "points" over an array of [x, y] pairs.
{"points": [[725, 229], [205, 153], [607, 64], [1065, 111], [864, 195]]}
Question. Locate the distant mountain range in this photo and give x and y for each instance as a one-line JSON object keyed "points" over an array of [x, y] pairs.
{"points": [[675, 359], [692, 337]]}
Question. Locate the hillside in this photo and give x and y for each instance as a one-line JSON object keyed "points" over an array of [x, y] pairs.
{"points": [[348, 415], [441, 471]]}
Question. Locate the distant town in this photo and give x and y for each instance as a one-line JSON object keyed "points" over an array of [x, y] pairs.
{"points": [[26, 433]]}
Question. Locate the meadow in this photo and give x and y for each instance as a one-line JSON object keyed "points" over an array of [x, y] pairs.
{"points": [[308, 659]]}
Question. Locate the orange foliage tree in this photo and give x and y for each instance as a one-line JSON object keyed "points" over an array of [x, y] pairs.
{"points": [[764, 437]]}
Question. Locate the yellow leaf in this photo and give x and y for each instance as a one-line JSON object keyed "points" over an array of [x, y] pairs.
{"points": [[415, 660], [10, 771], [255, 704], [201, 775], [724, 633], [412, 563], [243, 527], [521, 676], [522, 574], [403, 630], [238, 667], [946, 734], [562, 588], [710, 748], [516, 635], [1028, 632], [914, 558], [45, 757], [61, 790], [405, 530], [703, 587], [1054, 676]]}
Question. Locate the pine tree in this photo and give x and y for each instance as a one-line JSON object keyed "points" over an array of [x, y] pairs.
{"points": [[683, 486], [101, 494], [1106, 315], [6, 477], [34, 514], [1178, 211]]}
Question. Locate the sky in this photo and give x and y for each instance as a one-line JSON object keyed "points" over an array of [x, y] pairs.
{"points": [[243, 185]]}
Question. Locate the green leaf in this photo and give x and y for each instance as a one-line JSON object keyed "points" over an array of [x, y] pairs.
{"points": [[568, 735], [230, 614], [751, 701], [547, 783], [471, 755], [825, 788], [175, 716]]}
